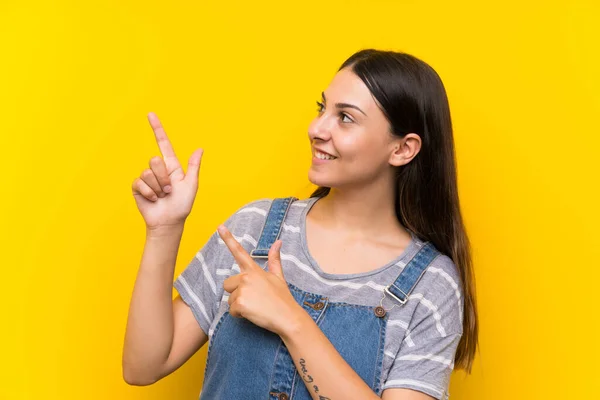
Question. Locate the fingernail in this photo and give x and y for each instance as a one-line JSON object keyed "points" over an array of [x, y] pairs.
{"points": [[221, 228], [167, 189]]}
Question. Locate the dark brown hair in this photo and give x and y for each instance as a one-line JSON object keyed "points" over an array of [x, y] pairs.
{"points": [[413, 98]]}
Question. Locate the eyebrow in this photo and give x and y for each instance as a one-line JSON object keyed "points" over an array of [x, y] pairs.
{"points": [[344, 105]]}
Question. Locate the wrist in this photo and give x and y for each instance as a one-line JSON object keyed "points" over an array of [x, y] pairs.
{"points": [[294, 324], [163, 231]]}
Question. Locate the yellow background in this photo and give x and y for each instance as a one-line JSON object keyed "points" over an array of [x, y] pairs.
{"points": [[240, 79]]}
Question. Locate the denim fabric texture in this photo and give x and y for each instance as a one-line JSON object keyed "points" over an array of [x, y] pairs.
{"points": [[248, 362]]}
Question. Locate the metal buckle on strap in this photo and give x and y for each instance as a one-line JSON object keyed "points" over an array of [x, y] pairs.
{"points": [[254, 255], [386, 290]]}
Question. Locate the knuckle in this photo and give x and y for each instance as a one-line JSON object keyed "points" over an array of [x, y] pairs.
{"points": [[147, 173], [149, 192], [156, 160], [239, 303], [144, 189], [149, 178], [163, 180]]}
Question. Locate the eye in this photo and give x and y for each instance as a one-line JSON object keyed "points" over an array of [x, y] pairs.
{"points": [[321, 107], [344, 115]]}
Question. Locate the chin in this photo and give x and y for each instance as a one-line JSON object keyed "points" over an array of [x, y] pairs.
{"points": [[315, 179], [321, 179]]}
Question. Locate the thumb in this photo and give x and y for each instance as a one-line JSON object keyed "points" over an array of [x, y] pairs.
{"points": [[274, 262], [193, 170]]}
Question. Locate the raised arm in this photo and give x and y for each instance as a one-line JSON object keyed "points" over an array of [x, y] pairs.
{"points": [[161, 333]]}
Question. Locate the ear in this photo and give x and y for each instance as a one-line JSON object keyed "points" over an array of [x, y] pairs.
{"points": [[404, 149]]}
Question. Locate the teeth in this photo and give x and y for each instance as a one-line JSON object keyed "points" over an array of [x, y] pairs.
{"points": [[323, 156]]}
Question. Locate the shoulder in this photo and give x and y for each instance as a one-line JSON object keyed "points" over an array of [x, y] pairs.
{"points": [[251, 216], [248, 216], [445, 275], [258, 207], [440, 293]]}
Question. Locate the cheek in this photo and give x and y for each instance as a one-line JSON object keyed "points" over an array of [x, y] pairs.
{"points": [[361, 150], [351, 147]]}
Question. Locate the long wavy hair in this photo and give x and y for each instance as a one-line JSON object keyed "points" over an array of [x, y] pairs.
{"points": [[413, 99]]}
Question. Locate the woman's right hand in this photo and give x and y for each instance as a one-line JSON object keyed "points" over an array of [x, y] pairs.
{"points": [[164, 193]]}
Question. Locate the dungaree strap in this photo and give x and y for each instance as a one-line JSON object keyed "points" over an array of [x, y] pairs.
{"points": [[412, 272], [272, 227]]}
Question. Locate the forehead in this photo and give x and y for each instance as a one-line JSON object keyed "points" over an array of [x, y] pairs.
{"points": [[348, 88]]}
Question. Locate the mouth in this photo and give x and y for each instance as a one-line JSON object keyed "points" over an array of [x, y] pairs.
{"points": [[322, 155]]}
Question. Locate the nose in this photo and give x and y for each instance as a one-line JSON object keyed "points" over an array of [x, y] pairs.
{"points": [[319, 129]]}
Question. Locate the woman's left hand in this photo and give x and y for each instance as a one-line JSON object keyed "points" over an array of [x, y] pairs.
{"points": [[260, 296]]}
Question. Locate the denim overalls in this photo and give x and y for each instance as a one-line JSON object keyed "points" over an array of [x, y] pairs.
{"points": [[246, 361]]}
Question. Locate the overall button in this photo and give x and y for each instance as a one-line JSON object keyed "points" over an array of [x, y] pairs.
{"points": [[317, 306], [379, 311], [280, 395]]}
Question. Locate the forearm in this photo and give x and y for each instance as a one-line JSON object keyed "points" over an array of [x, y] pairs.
{"points": [[324, 371], [149, 332]]}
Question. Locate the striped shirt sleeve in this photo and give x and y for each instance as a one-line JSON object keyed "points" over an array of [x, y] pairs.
{"points": [[425, 360]]}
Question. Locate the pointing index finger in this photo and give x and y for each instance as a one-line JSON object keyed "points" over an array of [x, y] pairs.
{"points": [[242, 257], [164, 144]]}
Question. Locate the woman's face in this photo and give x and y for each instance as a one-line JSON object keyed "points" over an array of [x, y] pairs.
{"points": [[351, 127]]}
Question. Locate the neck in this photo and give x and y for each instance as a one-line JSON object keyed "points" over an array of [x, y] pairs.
{"points": [[362, 211]]}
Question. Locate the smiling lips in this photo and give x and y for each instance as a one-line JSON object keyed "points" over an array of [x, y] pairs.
{"points": [[323, 155]]}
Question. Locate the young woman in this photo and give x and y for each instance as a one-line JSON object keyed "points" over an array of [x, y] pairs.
{"points": [[364, 290]]}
